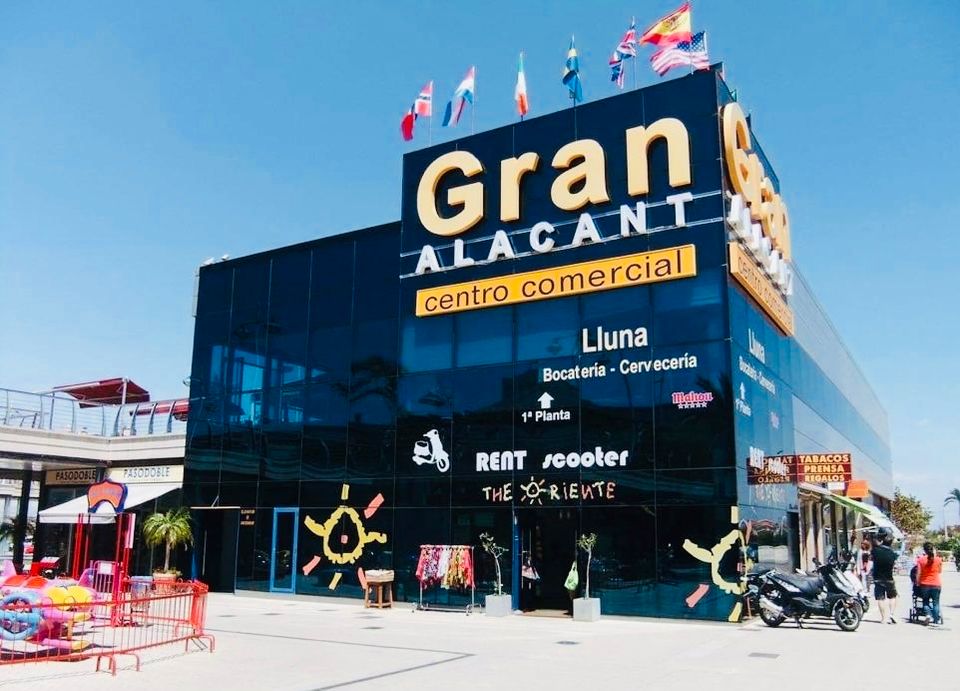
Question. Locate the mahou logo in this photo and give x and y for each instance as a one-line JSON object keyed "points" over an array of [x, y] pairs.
{"points": [[691, 399]]}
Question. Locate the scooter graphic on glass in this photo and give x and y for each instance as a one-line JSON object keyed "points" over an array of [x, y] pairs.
{"points": [[430, 450]]}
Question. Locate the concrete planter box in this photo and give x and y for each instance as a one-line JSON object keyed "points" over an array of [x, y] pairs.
{"points": [[586, 609], [498, 605]]}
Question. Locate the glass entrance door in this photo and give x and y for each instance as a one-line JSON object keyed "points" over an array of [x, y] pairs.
{"points": [[283, 553]]}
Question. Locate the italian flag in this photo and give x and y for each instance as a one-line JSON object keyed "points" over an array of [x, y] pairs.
{"points": [[520, 93]]}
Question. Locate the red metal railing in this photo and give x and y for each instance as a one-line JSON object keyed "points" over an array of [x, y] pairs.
{"points": [[69, 622]]}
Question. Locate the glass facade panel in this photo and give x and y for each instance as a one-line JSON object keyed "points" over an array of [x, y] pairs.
{"points": [[630, 411]]}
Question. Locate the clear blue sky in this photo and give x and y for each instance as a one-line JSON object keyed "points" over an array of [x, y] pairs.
{"points": [[137, 139]]}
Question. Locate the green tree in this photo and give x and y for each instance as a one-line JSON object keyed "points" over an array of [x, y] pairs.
{"points": [[954, 496], [908, 513], [9, 527], [171, 529]]}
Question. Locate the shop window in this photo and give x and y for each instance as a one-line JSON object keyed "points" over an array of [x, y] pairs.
{"points": [[623, 573], [680, 574], [413, 527]]}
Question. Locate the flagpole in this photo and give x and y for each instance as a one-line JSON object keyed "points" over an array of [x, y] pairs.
{"points": [[473, 110], [706, 48], [524, 82], [573, 94], [691, 32], [636, 49]]}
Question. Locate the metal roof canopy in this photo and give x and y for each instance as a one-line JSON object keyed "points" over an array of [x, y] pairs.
{"points": [[118, 390]]}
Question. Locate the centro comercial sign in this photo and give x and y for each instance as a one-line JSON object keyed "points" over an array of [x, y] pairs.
{"points": [[454, 193]]}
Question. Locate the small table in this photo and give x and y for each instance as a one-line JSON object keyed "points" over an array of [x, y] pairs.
{"points": [[380, 580]]}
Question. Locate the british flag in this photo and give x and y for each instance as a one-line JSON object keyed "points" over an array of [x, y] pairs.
{"points": [[626, 49]]}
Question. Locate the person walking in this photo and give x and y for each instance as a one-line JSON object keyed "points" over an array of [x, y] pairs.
{"points": [[929, 568], [864, 563], [884, 588]]}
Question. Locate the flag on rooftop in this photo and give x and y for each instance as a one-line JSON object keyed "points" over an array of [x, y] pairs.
{"points": [[423, 106], [626, 49], [673, 28], [571, 74], [692, 53], [461, 97], [406, 124], [520, 92]]}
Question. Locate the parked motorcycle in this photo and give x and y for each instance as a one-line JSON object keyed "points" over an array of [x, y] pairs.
{"points": [[752, 595], [828, 593]]}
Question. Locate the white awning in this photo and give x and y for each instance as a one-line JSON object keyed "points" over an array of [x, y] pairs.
{"points": [[881, 520], [69, 511]]}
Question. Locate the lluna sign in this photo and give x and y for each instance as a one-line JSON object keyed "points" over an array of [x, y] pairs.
{"points": [[569, 203]]}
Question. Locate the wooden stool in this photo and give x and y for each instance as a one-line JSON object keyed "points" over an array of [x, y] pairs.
{"points": [[380, 580]]}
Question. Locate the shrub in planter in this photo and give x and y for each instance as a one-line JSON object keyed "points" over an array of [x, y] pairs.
{"points": [[587, 608], [498, 604]]}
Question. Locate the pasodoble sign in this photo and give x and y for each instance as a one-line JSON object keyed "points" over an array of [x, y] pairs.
{"points": [[71, 476]]}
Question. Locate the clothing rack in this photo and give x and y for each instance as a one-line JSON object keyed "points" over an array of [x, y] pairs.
{"points": [[467, 609]]}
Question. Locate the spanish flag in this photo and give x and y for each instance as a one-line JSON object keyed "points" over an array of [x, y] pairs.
{"points": [[673, 28]]}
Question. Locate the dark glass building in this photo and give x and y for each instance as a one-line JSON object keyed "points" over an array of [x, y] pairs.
{"points": [[549, 342]]}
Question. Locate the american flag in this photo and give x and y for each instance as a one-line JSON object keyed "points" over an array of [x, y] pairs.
{"points": [[686, 53]]}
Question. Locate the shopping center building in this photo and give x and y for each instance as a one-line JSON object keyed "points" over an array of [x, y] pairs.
{"points": [[585, 322]]}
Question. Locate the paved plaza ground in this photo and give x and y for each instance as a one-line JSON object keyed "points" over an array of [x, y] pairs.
{"points": [[271, 643]]}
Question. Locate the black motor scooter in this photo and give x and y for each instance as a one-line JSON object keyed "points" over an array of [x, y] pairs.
{"points": [[826, 594]]}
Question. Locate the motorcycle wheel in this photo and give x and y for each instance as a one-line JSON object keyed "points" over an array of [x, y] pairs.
{"points": [[770, 619], [848, 616]]}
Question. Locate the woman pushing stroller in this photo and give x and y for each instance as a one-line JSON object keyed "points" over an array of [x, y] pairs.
{"points": [[927, 584]]}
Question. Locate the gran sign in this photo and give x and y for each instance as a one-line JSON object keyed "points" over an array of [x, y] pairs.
{"points": [[581, 181], [453, 190]]}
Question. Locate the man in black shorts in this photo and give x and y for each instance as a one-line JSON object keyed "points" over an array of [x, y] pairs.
{"points": [[884, 587]]}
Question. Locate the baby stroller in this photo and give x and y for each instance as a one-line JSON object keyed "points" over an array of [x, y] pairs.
{"points": [[916, 601]]}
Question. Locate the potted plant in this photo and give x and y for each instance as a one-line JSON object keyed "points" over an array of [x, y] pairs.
{"points": [[587, 608], [171, 529], [498, 605]]}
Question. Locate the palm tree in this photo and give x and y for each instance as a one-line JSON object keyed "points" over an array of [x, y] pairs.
{"points": [[171, 529], [954, 496], [9, 528]]}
